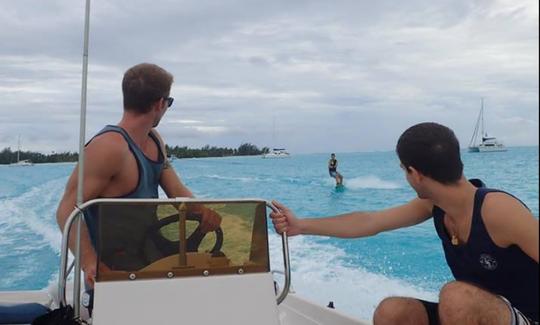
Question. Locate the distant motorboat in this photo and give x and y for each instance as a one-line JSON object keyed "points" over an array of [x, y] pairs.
{"points": [[276, 153], [487, 143]]}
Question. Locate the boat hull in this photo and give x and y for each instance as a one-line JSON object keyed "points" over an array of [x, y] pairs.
{"points": [[488, 149]]}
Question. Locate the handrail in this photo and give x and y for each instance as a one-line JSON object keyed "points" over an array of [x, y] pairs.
{"points": [[78, 211], [286, 262]]}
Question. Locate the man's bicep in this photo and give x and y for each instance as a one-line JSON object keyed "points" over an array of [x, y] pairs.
{"points": [[526, 234], [102, 163]]}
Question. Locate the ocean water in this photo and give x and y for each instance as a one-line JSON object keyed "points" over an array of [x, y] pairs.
{"points": [[353, 273]]}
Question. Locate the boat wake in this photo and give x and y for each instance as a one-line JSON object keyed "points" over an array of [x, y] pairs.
{"points": [[368, 182], [321, 272], [32, 213]]}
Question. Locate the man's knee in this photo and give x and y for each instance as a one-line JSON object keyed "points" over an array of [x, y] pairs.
{"points": [[460, 302], [396, 310], [456, 295], [457, 300]]}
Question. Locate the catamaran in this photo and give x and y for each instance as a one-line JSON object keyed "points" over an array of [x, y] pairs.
{"points": [[487, 143], [276, 153], [158, 274]]}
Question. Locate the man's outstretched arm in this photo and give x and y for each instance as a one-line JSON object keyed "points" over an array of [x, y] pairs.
{"points": [[354, 224]]}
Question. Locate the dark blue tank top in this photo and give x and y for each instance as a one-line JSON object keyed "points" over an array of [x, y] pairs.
{"points": [[149, 175], [508, 272]]}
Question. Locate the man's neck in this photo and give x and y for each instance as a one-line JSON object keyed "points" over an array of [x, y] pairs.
{"points": [[138, 126], [456, 200]]}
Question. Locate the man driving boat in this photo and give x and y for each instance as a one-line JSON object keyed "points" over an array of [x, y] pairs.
{"points": [[128, 160]]}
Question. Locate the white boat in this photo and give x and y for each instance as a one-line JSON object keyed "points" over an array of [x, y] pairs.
{"points": [[158, 275], [20, 163], [172, 278], [276, 153], [487, 143]]}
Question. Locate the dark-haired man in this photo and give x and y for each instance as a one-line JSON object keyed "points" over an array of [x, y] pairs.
{"points": [[489, 237], [128, 160]]}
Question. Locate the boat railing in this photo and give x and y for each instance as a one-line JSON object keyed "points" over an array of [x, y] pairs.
{"points": [[78, 212]]}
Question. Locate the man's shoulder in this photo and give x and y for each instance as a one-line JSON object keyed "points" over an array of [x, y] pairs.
{"points": [[109, 144], [506, 218], [502, 209]]}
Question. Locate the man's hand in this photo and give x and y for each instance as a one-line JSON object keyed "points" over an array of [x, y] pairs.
{"points": [[210, 220], [90, 270], [284, 220]]}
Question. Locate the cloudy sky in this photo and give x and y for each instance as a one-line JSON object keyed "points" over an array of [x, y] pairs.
{"points": [[333, 75]]}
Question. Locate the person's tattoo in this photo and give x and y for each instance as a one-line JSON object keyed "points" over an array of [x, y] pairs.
{"points": [[166, 164]]}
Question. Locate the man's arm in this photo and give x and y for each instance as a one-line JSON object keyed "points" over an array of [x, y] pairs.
{"points": [[169, 180], [173, 187], [354, 224], [97, 175], [509, 222]]}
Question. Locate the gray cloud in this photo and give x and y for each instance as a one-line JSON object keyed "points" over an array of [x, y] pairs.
{"points": [[335, 76]]}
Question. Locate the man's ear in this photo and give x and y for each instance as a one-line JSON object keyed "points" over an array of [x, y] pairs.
{"points": [[415, 174], [157, 105]]}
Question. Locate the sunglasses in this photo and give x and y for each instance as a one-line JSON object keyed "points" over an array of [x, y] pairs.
{"points": [[169, 100]]}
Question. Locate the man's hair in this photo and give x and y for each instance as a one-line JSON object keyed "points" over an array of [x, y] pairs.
{"points": [[433, 150], [143, 85]]}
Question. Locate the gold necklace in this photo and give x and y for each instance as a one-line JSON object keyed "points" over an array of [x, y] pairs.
{"points": [[455, 240]]}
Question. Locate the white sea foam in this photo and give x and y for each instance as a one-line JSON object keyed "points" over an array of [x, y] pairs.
{"points": [[370, 182], [33, 211], [321, 274], [228, 178]]}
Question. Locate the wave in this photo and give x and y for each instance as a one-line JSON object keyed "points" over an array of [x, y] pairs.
{"points": [[370, 182], [229, 178], [33, 212], [320, 272]]}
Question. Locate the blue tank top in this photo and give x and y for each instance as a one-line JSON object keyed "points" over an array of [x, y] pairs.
{"points": [[149, 175], [508, 272]]}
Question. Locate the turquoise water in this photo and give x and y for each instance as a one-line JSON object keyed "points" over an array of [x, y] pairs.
{"points": [[355, 274]]}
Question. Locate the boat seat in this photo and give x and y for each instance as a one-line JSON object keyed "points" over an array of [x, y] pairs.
{"points": [[21, 313]]}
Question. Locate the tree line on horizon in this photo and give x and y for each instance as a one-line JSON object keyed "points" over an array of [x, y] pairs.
{"points": [[245, 149], [8, 156]]}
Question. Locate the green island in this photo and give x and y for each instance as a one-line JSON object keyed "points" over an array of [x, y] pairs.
{"points": [[9, 156]]}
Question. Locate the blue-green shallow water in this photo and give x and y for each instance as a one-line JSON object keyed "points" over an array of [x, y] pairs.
{"points": [[355, 274]]}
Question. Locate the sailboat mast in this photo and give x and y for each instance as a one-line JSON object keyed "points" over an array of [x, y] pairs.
{"points": [[482, 115], [18, 148], [472, 143], [273, 132]]}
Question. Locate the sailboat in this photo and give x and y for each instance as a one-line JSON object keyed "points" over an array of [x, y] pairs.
{"points": [[275, 152], [20, 163], [487, 143], [168, 279]]}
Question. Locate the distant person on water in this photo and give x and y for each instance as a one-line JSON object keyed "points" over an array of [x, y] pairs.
{"points": [[332, 170], [128, 160], [489, 237]]}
